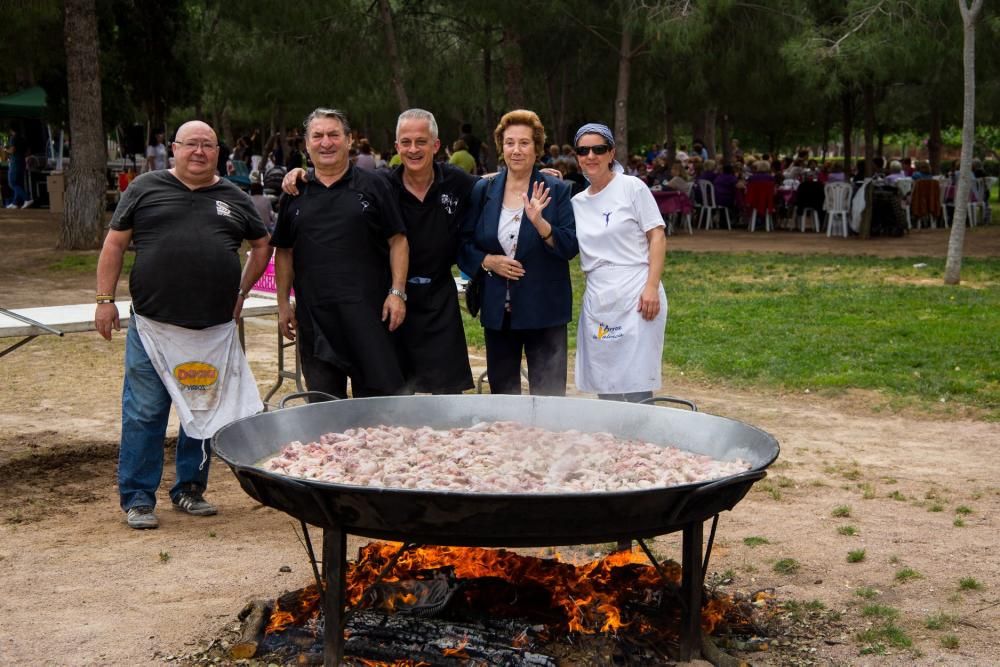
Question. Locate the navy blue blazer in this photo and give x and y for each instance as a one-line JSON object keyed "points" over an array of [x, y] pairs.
{"points": [[543, 297]]}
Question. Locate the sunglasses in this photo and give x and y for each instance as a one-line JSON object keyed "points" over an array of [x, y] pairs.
{"points": [[600, 149]]}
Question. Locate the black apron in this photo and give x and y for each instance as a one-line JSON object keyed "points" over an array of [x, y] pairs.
{"points": [[341, 282], [431, 340]]}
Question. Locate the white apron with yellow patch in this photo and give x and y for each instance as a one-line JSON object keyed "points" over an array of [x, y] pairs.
{"points": [[618, 352], [205, 373]]}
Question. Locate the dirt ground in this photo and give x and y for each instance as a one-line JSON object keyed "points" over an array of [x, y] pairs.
{"points": [[80, 588]]}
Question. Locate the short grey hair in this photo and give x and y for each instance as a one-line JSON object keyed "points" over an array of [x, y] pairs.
{"points": [[418, 114], [895, 167], [324, 112]]}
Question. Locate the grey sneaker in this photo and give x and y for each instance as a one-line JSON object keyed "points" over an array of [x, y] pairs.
{"points": [[194, 503], [141, 517]]}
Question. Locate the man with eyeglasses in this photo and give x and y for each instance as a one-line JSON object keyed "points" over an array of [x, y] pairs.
{"points": [[187, 289], [342, 244]]}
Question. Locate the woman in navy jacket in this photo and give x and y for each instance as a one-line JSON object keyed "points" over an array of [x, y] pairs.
{"points": [[519, 230]]}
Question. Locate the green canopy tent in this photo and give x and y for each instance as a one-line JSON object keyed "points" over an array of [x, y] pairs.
{"points": [[29, 103]]}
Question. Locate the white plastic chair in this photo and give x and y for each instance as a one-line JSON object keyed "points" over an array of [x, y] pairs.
{"points": [[709, 207], [817, 226], [977, 201], [905, 187], [838, 207]]}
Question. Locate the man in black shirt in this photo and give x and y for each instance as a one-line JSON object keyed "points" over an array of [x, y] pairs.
{"points": [[342, 244], [187, 225], [432, 198]]}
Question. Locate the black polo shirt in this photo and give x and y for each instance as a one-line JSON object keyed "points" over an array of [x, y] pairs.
{"points": [[187, 268], [437, 217], [339, 236]]}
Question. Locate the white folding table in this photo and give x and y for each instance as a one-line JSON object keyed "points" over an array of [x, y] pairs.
{"points": [[29, 323]]}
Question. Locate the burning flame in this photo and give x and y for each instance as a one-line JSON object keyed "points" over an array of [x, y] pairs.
{"points": [[458, 651], [592, 597]]}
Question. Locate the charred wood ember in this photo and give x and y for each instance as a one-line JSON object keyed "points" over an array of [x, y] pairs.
{"points": [[469, 606], [254, 617]]}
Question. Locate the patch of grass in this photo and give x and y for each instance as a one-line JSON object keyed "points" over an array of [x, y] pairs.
{"points": [[894, 560], [786, 566], [768, 486], [867, 491], [879, 611], [818, 483], [851, 475], [969, 584], [855, 556], [783, 482], [907, 574], [841, 511], [909, 321], [86, 262], [164, 557], [935, 507], [889, 633], [949, 641], [211, 533], [962, 509], [755, 541], [847, 530], [890, 480], [938, 621], [896, 495], [866, 592], [958, 523]]}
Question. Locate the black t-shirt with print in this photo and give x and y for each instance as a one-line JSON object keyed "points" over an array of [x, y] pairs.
{"points": [[187, 267], [432, 225]]}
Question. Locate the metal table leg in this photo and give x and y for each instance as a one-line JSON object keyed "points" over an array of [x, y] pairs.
{"points": [[284, 374], [335, 577], [691, 583]]}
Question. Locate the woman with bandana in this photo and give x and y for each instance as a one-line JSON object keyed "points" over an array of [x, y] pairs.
{"points": [[619, 343]]}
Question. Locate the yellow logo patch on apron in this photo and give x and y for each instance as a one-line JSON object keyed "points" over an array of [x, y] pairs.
{"points": [[196, 374]]}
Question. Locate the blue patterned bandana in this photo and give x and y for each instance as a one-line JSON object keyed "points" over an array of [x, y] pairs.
{"points": [[595, 128]]}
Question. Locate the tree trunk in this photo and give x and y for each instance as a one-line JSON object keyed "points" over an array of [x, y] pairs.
{"points": [[226, 131], [826, 133], [669, 140], [934, 141], [956, 241], [709, 134], [83, 217], [488, 148], [847, 127], [869, 97], [513, 69], [880, 143], [621, 96], [697, 128], [392, 52], [555, 87], [727, 150]]}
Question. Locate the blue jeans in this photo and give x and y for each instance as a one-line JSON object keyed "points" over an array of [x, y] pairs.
{"points": [[145, 410], [14, 180]]}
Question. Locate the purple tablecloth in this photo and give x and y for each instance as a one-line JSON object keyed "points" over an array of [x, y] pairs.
{"points": [[672, 201]]}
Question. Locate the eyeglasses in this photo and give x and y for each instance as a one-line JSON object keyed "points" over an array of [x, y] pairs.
{"points": [[599, 149], [195, 145]]}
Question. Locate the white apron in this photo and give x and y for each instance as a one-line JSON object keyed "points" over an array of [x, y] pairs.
{"points": [[204, 371], [618, 352]]}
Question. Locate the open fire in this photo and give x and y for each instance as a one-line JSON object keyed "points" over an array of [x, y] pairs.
{"points": [[620, 597]]}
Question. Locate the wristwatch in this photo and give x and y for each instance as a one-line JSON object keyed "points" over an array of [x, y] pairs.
{"points": [[400, 293]]}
